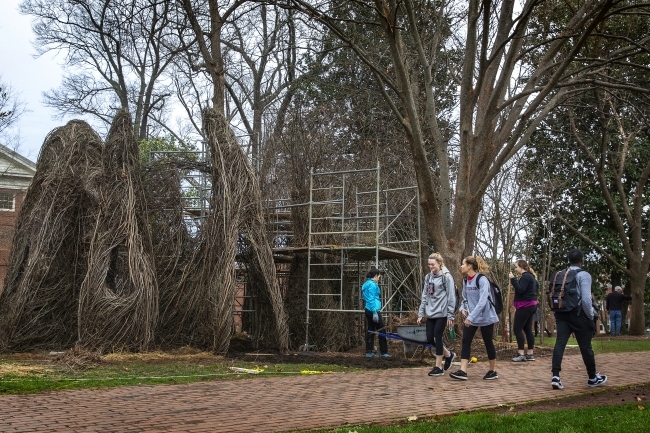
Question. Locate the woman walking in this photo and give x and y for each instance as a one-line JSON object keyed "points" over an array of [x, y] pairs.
{"points": [[372, 309], [526, 306], [438, 305], [478, 311]]}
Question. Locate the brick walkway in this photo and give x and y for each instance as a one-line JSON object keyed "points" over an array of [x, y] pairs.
{"points": [[303, 402]]}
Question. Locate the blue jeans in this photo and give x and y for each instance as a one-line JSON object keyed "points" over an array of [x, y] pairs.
{"points": [[615, 317]]}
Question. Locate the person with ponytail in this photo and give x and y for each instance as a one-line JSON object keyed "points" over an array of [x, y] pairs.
{"points": [[438, 307], [478, 313], [525, 304]]}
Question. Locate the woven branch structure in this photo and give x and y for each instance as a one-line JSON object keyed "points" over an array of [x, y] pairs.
{"points": [[103, 258], [39, 302], [118, 301], [236, 211]]}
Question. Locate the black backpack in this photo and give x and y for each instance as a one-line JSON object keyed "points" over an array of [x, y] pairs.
{"points": [[563, 291], [495, 298]]}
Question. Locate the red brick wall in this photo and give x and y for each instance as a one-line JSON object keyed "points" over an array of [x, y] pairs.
{"points": [[7, 224]]}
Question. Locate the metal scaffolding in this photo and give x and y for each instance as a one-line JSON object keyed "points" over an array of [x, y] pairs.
{"points": [[354, 224]]}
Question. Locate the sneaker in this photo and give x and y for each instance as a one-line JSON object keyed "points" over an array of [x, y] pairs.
{"points": [[597, 381], [530, 357], [448, 360], [519, 358], [385, 355], [460, 375], [437, 371], [556, 383], [370, 355], [491, 375]]}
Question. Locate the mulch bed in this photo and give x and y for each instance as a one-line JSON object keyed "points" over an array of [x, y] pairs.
{"points": [[356, 356]]}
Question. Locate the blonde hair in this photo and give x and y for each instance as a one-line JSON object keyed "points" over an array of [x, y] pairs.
{"points": [[438, 258], [477, 263]]}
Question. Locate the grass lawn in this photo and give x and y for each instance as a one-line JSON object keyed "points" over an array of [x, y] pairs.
{"points": [[39, 374], [611, 419], [604, 345]]}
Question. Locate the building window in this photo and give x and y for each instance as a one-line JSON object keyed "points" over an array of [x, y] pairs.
{"points": [[7, 201]]}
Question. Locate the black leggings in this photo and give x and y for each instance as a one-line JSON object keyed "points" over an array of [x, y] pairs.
{"points": [[523, 323], [435, 329], [374, 327], [487, 332]]}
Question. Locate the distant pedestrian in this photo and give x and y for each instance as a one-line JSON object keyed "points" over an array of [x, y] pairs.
{"points": [[578, 321], [438, 307], [526, 307], [614, 305], [478, 312], [375, 322]]}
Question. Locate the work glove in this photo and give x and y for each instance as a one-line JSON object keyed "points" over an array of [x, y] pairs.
{"points": [[375, 317]]}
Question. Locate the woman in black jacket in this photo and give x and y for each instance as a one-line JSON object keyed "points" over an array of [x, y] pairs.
{"points": [[526, 306]]}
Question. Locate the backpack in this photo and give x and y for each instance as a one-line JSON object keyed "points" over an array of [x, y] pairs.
{"points": [[444, 285], [495, 298], [563, 292]]}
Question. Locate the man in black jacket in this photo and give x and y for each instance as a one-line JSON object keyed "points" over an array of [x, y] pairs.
{"points": [[614, 304]]}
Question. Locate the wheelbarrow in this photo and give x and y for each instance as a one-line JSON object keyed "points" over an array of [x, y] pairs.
{"points": [[413, 338]]}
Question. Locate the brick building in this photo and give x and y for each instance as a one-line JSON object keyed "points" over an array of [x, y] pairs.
{"points": [[16, 173]]}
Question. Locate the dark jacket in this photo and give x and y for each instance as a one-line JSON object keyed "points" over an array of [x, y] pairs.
{"points": [[525, 288], [614, 301]]}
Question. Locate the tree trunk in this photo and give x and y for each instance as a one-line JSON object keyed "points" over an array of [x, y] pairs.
{"points": [[637, 284]]}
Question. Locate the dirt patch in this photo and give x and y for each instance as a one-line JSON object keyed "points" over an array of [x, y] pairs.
{"points": [[639, 394], [355, 358]]}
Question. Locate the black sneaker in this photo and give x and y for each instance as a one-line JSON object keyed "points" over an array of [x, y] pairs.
{"points": [[556, 383], [460, 375], [597, 381], [491, 375], [437, 371], [449, 360]]}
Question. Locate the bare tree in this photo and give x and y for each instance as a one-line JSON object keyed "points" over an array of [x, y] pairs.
{"points": [[262, 66], [115, 54], [504, 233], [11, 107], [259, 62], [516, 65]]}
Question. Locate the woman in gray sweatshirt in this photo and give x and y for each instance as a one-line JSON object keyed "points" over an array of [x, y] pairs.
{"points": [[438, 305], [478, 313]]}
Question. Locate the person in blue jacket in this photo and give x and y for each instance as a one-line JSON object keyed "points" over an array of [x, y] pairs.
{"points": [[478, 312], [371, 293]]}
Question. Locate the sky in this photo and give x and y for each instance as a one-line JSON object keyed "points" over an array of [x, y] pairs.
{"points": [[28, 76]]}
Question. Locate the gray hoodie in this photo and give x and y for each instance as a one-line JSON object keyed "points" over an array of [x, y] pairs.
{"points": [[436, 301], [475, 301]]}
